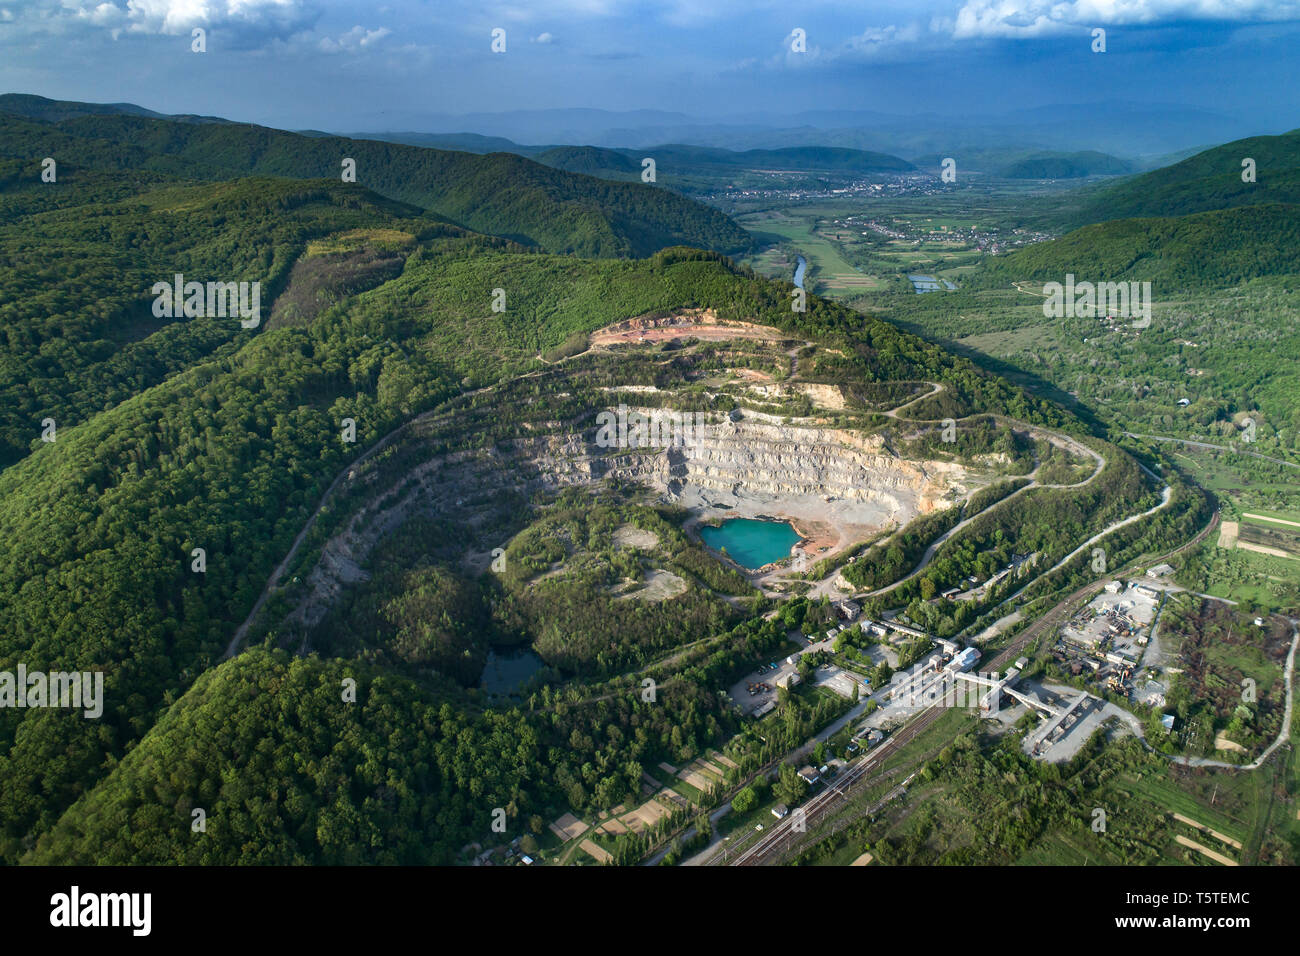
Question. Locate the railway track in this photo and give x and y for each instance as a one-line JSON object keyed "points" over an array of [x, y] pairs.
{"points": [[781, 838], [1062, 609]]}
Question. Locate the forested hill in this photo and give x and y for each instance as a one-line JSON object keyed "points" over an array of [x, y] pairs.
{"points": [[1065, 166], [497, 194], [78, 260], [1207, 181], [231, 453], [711, 161], [47, 110], [1217, 248], [591, 161]]}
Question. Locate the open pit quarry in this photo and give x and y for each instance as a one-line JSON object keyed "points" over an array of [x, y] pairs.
{"points": [[836, 486]]}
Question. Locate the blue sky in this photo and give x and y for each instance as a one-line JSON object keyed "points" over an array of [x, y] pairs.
{"points": [[370, 66]]}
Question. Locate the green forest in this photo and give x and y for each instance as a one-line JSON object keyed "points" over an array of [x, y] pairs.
{"points": [[189, 454], [500, 193], [228, 438]]}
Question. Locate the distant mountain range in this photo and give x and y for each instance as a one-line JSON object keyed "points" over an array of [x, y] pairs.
{"points": [[1123, 129], [1197, 222], [499, 194], [624, 163], [589, 199], [702, 160]]}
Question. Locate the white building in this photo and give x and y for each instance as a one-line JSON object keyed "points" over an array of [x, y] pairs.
{"points": [[966, 659]]}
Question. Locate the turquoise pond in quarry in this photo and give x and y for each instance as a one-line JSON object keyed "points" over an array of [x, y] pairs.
{"points": [[751, 542]]}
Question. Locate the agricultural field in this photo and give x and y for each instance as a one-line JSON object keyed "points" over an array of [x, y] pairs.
{"points": [[1267, 538], [828, 270], [1211, 368], [859, 247], [1249, 492]]}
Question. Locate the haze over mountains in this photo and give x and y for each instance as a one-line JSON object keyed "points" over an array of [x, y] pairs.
{"points": [[1132, 132], [1124, 129], [588, 214], [605, 210]]}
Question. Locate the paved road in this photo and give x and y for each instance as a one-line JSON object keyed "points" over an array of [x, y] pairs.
{"points": [[781, 836], [704, 856], [1063, 607], [1201, 444], [769, 847], [824, 587]]}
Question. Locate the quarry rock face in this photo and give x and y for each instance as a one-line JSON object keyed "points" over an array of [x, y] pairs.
{"points": [[747, 463], [755, 456]]}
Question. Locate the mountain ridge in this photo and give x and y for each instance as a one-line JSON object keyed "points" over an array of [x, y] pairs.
{"points": [[496, 194]]}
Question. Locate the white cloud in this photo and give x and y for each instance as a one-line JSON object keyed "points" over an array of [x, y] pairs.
{"points": [[358, 38], [180, 16], [1031, 18], [543, 38], [246, 20], [873, 44], [876, 38]]}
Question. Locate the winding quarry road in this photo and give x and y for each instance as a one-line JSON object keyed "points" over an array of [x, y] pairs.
{"points": [[274, 580], [1166, 495], [779, 839], [824, 586]]}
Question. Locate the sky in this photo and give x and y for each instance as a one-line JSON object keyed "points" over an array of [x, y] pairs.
{"points": [[352, 66]]}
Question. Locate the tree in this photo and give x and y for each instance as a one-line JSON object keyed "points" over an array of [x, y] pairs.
{"points": [[805, 668], [703, 827], [745, 800], [789, 786]]}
